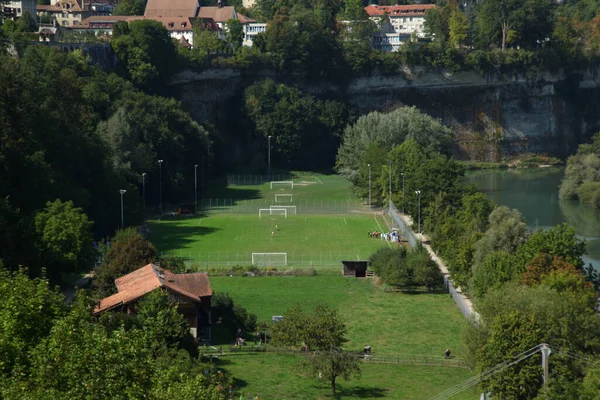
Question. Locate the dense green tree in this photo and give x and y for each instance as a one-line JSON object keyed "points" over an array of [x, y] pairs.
{"points": [[493, 272], [130, 7], [146, 53], [128, 251], [559, 241], [296, 122], [321, 330], [516, 318], [234, 34], [231, 315], [582, 175], [164, 326], [29, 310], [389, 130], [16, 237], [331, 365], [26, 23], [458, 26], [64, 238], [507, 230]]}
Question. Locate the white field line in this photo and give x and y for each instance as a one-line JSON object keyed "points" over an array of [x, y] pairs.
{"points": [[381, 230], [317, 178], [346, 222]]}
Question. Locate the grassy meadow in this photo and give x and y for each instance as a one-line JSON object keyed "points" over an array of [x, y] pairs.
{"points": [[391, 323], [331, 225], [278, 376]]}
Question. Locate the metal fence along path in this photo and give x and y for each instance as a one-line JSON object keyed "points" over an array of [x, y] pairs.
{"points": [[462, 301], [251, 206], [221, 259]]}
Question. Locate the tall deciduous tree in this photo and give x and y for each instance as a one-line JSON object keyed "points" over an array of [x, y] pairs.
{"points": [[234, 35], [64, 238], [499, 19], [458, 25], [127, 251], [321, 330], [331, 365]]}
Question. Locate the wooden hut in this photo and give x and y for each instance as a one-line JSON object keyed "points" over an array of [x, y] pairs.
{"points": [[355, 268]]}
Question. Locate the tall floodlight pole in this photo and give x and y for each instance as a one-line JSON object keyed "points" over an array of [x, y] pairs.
{"points": [[403, 201], [122, 191], [418, 193], [203, 183], [160, 163], [196, 185], [269, 155], [369, 165], [144, 190]]}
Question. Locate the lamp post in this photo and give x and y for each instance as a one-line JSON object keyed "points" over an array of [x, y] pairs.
{"points": [[144, 190], [203, 177], [369, 165], [269, 156], [160, 163], [196, 185], [122, 191], [403, 198], [418, 193]]}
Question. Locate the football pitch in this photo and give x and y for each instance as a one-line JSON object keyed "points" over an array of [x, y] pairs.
{"points": [[331, 224]]}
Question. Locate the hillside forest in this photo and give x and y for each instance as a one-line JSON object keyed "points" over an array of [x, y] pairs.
{"points": [[72, 136]]}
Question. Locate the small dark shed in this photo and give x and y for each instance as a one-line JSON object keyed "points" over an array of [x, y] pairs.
{"points": [[355, 268]]}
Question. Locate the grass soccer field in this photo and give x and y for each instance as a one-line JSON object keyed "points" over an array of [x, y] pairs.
{"points": [[277, 376], [331, 225], [392, 323], [228, 240]]}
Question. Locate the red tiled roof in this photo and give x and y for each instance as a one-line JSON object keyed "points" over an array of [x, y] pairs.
{"points": [[243, 19], [409, 11], [151, 277], [171, 8], [218, 14], [106, 19], [175, 23]]}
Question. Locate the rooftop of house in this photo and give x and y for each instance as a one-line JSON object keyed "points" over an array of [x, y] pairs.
{"points": [[142, 281], [374, 10], [218, 14], [175, 23], [183, 42], [69, 6], [106, 19], [171, 8]]}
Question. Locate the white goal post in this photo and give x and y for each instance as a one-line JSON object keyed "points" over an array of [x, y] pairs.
{"points": [[291, 209], [269, 259], [282, 198], [282, 183], [272, 211]]}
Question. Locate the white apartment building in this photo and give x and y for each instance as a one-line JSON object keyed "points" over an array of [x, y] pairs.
{"points": [[397, 24], [251, 29], [15, 9]]}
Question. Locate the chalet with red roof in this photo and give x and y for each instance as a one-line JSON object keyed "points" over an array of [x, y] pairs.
{"points": [[398, 24], [191, 291]]}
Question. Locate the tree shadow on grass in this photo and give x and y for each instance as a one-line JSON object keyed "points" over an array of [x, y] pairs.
{"points": [[232, 192], [173, 236], [361, 392]]}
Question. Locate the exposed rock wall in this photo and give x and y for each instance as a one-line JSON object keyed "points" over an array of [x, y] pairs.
{"points": [[492, 117]]}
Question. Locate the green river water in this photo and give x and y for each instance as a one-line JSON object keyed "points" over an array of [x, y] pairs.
{"points": [[534, 192]]}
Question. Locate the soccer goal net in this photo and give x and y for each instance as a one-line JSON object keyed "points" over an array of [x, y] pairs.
{"points": [[289, 209], [282, 183], [272, 211], [269, 259], [283, 198]]}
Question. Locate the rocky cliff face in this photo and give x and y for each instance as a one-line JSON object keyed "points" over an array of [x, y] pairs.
{"points": [[492, 117]]}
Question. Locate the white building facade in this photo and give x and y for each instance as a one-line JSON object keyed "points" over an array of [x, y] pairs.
{"points": [[397, 24], [251, 29]]}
